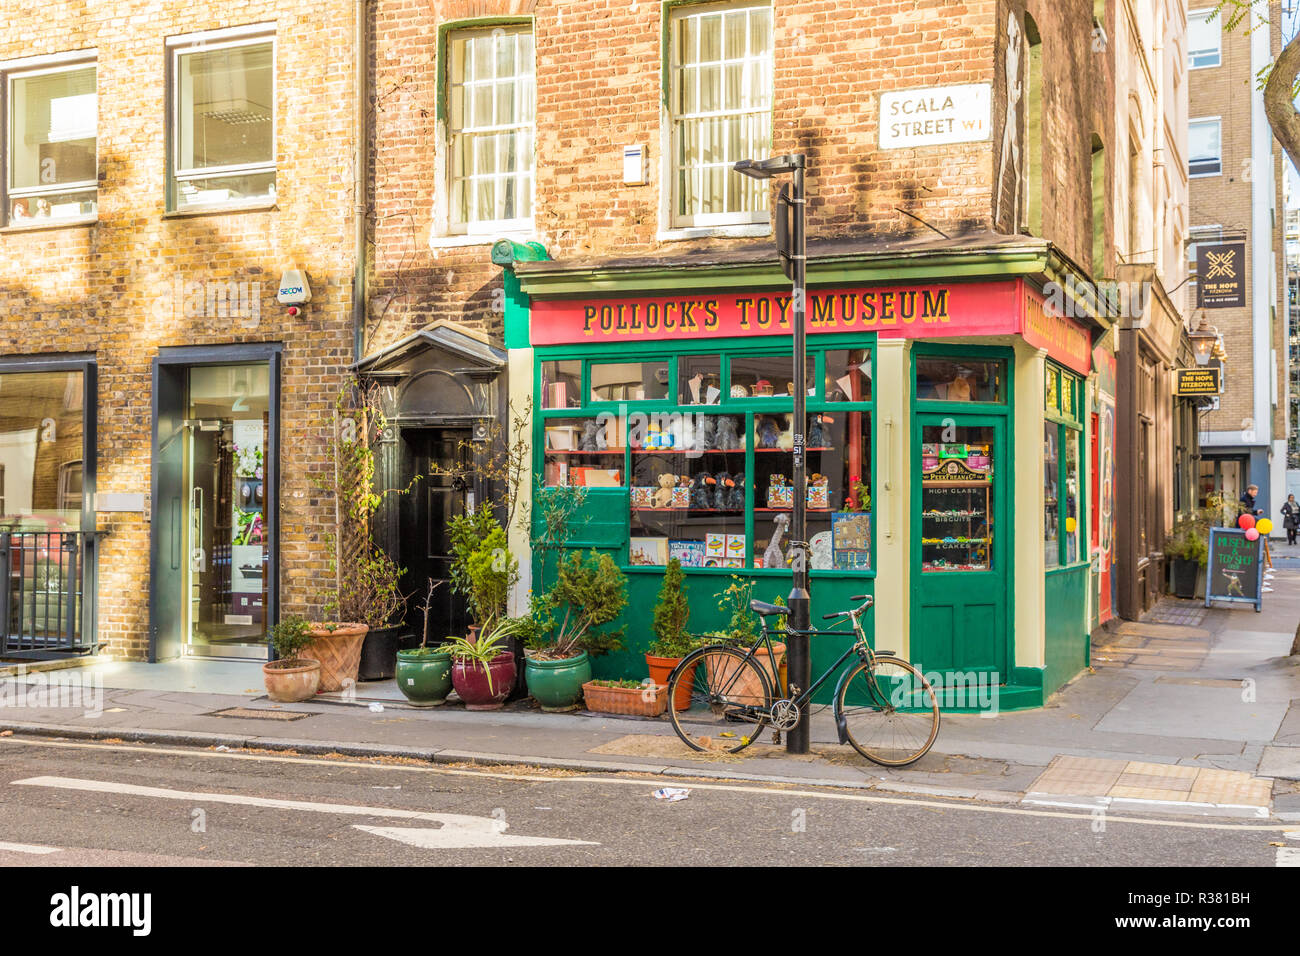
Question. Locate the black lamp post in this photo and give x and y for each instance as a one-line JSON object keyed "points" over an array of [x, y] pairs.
{"points": [[791, 245]]}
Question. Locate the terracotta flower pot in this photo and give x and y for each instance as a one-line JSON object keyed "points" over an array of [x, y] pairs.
{"points": [[288, 685], [470, 678], [660, 668], [746, 689], [339, 653]]}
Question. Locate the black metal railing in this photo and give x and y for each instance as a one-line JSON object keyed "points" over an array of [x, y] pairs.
{"points": [[42, 610]]}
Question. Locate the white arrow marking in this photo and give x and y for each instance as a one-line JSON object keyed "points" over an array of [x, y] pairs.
{"points": [[485, 832], [27, 848], [461, 827]]}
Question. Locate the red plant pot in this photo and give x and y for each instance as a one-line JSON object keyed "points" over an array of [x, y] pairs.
{"points": [[470, 678]]}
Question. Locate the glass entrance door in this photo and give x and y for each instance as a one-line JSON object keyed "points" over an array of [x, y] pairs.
{"points": [[225, 529], [961, 546]]}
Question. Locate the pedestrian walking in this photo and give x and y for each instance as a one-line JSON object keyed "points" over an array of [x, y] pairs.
{"points": [[1246, 503], [1291, 518]]}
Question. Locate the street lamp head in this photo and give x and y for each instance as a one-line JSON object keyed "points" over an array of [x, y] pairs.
{"points": [[1203, 341], [767, 168]]}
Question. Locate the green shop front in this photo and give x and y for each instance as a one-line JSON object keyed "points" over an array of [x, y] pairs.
{"points": [[944, 438]]}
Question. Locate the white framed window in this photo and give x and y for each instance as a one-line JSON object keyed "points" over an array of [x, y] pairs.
{"points": [[1204, 39], [50, 134], [491, 105], [222, 135], [1204, 147], [720, 111]]}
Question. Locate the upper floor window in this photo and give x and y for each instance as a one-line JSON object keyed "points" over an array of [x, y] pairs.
{"points": [[1204, 149], [720, 104], [491, 101], [50, 133], [1203, 39], [223, 120]]}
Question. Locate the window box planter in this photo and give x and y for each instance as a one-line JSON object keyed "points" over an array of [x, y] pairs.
{"points": [[649, 700]]}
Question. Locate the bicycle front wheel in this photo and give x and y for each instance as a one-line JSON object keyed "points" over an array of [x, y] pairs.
{"points": [[726, 698], [889, 711]]}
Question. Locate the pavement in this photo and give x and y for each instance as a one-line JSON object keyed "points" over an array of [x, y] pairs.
{"points": [[1193, 711]]}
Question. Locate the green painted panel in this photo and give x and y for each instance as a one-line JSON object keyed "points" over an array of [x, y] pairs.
{"points": [[1066, 626], [600, 523]]}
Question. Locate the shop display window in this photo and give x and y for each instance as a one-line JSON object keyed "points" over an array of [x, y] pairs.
{"points": [[699, 379], [1051, 495], [1062, 468], [709, 475], [765, 376], [957, 520], [688, 493], [848, 375], [585, 452], [562, 384], [959, 379], [629, 381]]}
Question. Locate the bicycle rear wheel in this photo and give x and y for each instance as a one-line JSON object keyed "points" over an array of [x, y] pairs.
{"points": [[729, 699], [889, 711]]}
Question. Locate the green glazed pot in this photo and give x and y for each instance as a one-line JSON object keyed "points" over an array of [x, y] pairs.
{"points": [[425, 679], [557, 685]]}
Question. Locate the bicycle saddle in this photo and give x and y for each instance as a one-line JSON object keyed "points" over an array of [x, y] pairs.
{"points": [[765, 609]]}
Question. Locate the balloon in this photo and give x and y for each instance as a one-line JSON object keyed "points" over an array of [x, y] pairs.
{"points": [[1246, 521], [1265, 525], [1252, 534], [1070, 525]]}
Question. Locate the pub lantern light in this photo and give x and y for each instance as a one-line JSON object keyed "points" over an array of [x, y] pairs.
{"points": [[1204, 340]]}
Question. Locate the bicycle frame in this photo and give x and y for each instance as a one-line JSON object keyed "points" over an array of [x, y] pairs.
{"points": [[859, 647]]}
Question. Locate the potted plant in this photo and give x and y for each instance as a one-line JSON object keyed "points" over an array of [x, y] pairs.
{"points": [[671, 641], [290, 678], [742, 632], [1188, 552], [590, 591], [363, 598], [424, 672], [631, 698], [483, 671]]}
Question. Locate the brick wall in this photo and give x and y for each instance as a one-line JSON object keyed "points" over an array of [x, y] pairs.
{"points": [[108, 288], [1225, 201], [599, 88]]}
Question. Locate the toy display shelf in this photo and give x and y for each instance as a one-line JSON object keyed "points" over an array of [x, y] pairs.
{"points": [[574, 451], [688, 451], [806, 510], [759, 451], [695, 511]]}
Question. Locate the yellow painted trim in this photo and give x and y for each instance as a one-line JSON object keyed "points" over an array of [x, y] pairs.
{"points": [[520, 376], [1030, 585], [893, 495]]}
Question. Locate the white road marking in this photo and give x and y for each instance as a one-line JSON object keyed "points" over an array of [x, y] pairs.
{"points": [[1288, 856], [631, 780], [489, 834], [28, 848], [470, 831]]}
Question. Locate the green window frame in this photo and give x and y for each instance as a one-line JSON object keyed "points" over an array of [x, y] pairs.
{"points": [[748, 408], [1063, 394]]}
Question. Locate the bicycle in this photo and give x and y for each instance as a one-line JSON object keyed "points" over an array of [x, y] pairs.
{"points": [[884, 707]]}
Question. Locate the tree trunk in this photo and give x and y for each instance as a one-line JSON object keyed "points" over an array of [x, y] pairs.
{"points": [[1279, 100]]}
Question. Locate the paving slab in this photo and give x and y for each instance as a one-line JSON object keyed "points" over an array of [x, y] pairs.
{"points": [[1211, 713]]}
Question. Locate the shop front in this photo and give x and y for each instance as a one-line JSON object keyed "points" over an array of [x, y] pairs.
{"points": [[945, 438]]}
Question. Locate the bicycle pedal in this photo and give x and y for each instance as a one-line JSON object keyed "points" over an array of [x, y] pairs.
{"points": [[776, 738]]}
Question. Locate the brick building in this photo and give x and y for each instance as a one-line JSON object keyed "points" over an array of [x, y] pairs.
{"points": [[1237, 210], [164, 163], [557, 177]]}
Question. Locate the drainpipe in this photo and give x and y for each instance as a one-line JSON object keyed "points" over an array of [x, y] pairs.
{"points": [[359, 184]]}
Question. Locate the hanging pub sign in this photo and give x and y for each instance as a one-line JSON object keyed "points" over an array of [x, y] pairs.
{"points": [[1235, 569], [1221, 275], [1191, 382]]}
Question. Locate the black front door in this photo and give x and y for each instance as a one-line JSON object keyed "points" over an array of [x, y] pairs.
{"points": [[427, 510]]}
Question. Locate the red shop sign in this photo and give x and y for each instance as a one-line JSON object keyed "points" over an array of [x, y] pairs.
{"points": [[923, 311]]}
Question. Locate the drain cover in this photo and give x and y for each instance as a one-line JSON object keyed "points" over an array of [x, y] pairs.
{"points": [[262, 714]]}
